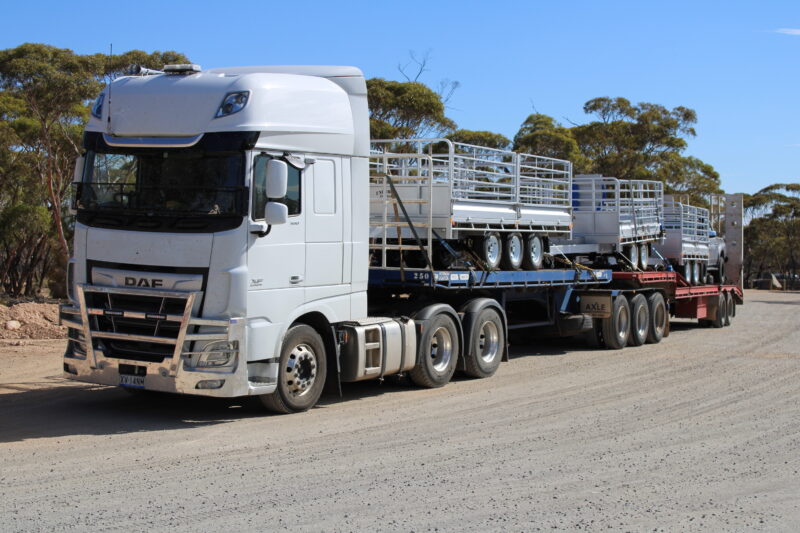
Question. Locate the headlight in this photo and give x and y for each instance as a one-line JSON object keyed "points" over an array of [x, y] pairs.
{"points": [[217, 354], [97, 108], [232, 103]]}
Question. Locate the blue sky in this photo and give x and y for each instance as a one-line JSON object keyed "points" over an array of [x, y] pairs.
{"points": [[735, 63]]}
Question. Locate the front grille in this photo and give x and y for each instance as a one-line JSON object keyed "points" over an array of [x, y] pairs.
{"points": [[116, 318]]}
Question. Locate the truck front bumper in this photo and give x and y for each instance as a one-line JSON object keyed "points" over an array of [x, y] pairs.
{"points": [[95, 330]]}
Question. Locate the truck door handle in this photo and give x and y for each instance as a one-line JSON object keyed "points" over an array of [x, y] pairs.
{"points": [[296, 279]]}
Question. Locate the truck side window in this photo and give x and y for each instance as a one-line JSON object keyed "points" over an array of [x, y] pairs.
{"points": [[292, 198]]}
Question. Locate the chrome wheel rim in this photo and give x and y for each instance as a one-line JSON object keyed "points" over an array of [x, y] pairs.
{"points": [[641, 321], [492, 249], [515, 249], [441, 349], [622, 324], [489, 342], [660, 317], [536, 250], [301, 370]]}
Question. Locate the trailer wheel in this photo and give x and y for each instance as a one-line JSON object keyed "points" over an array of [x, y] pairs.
{"points": [[697, 275], [658, 318], [301, 372], [617, 327], [534, 252], [729, 308], [488, 342], [640, 320], [513, 251], [437, 353], [644, 255], [719, 320], [490, 250], [721, 270]]}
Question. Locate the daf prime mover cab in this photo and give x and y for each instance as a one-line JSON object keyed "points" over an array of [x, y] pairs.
{"points": [[215, 209]]}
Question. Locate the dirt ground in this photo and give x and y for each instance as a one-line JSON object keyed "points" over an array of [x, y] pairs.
{"points": [[700, 432]]}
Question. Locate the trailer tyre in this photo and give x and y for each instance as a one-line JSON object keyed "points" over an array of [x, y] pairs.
{"points": [[658, 318], [633, 255], [513, 251], [488, 342], [617, 327], [533, 259], [301, 372], [437, 353], [490, 250], [640, 320], [729, 308], [719, 320]]}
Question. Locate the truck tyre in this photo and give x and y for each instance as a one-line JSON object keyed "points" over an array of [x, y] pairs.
{"points": [[533, 258], [640, 320], [488, 343], [617, 327], [490, 250], [721, 270], [687, 272], [658, 318], [719, 320], [301, 372], [644, 255], [437, 353], [513, 251], [729, 308], [697, 275]]}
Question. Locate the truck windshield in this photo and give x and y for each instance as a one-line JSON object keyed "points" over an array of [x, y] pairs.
{"points": [[163, 183]]}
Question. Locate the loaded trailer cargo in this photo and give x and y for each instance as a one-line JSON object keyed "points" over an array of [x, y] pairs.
{"points": [[228, 243]]}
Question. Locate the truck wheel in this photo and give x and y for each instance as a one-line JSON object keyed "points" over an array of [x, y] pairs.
{"points": [[488, 342], [729, 306], [534, 252], [513, 250], [640, 320], [687, 272], [301, 372], [437, 353], [698, 273], [617, 327], [658, 318], [719, 320], [644, 255], [721, 271], [490, 250]]}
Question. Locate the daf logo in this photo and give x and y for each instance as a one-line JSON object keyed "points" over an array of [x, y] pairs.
{"points": [[143, 282]]}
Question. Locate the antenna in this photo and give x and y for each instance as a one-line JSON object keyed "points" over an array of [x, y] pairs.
{"points": [[110, 56]]}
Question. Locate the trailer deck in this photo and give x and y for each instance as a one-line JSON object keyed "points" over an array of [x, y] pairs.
{"points": [[475, 279]]}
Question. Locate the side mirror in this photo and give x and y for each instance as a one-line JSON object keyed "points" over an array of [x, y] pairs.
{"points": [[276, 213], [277, 178]]}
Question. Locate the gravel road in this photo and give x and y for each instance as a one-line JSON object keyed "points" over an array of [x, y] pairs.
{"points": [[699, 432]]}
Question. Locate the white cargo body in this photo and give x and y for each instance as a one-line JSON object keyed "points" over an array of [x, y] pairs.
{"points": [[461, 189], [618, 212]]}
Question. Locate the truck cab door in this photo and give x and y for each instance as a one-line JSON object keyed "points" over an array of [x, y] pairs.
{"points": [[277, 261], [324, 231]]}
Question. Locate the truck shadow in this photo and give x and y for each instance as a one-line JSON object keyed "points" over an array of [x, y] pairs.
{"points": [[67, 410]]}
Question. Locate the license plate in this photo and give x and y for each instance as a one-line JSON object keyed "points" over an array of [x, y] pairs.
{"points": [[126, 380], [596, 306]]}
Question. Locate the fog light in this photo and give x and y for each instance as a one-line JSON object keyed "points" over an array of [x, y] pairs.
{"points": [[210, 384], [217, 354]]}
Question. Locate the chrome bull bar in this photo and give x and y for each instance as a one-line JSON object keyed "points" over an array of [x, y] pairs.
{"points": [[185, 320]]}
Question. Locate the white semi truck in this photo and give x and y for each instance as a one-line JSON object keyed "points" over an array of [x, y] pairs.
{"points": [[222, 245]]}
